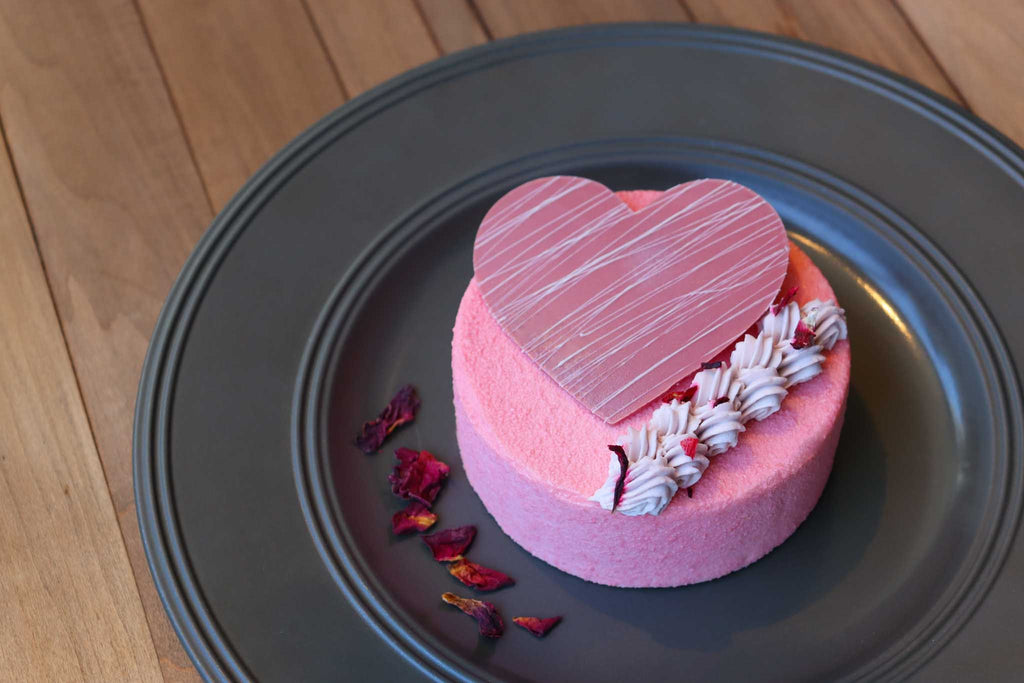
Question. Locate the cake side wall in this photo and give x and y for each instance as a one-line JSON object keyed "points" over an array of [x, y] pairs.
{"points": [[599, 546]]}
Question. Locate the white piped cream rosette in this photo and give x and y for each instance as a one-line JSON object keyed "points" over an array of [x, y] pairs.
{"points": [[675, 447]]}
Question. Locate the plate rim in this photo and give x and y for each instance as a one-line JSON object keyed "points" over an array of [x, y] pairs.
{"points": [[206, 646]]}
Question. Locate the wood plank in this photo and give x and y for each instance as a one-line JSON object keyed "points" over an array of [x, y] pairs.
{"points": [[370, 42], [453, 23], [504, 18], [246, 77], [116, 203], [71, 610], [981, 46], [873, 30]]}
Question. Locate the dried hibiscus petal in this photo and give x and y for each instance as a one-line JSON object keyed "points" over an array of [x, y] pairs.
{"points": [[418, 475], [401, 409], [623, 466], [415, 517], [486, 614], [479, 577], [803, 337], [537, 626], [450, 544]]}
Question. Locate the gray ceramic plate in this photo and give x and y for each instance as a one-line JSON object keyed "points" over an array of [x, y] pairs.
{"points": [[335, 274]]}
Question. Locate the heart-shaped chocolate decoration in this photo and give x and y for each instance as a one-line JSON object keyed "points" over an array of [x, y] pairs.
{"points": [[615, 305]]}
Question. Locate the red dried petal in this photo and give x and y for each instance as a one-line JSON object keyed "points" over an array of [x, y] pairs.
{"points": [[415, 517], [537, 626], [783, 301], [803, 337], [450, 544], [400, 410], [689, 446], [370, 439], [477, 576], [681, 396], [719, 401], [418, 475], [623, 466], [486, 614]]}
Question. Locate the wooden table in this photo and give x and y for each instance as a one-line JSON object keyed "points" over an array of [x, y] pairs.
{"points": [[128, 124]]}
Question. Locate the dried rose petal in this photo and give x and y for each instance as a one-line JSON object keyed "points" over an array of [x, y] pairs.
{"points": [[623, 466], [486, 614], [401, 409], [719, 401], [711, 366], [448, 545], [479, 577], [803, 337], [418, 475], [681, 396], [415, 517], [689, 446], [783, 301], [689, 492], [537, 626]]}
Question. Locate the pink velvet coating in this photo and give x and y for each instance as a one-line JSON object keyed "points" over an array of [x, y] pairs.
{"points": [[534, 455]]}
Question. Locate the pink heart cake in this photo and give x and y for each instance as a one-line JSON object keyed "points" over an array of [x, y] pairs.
{"points": [[586, 309]]}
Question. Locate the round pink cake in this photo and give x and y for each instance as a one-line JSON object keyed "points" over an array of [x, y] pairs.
{"points": [[535, 455]]}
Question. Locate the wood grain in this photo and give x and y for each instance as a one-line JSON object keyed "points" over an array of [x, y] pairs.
{"points": [[874, 30], [117, 205], [453, 24], [372, 41], [981, 46], [504, 18], [246, 77], [70, 607]]}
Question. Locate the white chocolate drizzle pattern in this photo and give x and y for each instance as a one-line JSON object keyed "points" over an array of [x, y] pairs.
{"points": [[557, 263]]}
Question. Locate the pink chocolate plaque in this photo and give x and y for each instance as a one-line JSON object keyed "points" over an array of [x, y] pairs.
{"points": [[615, 305]]}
